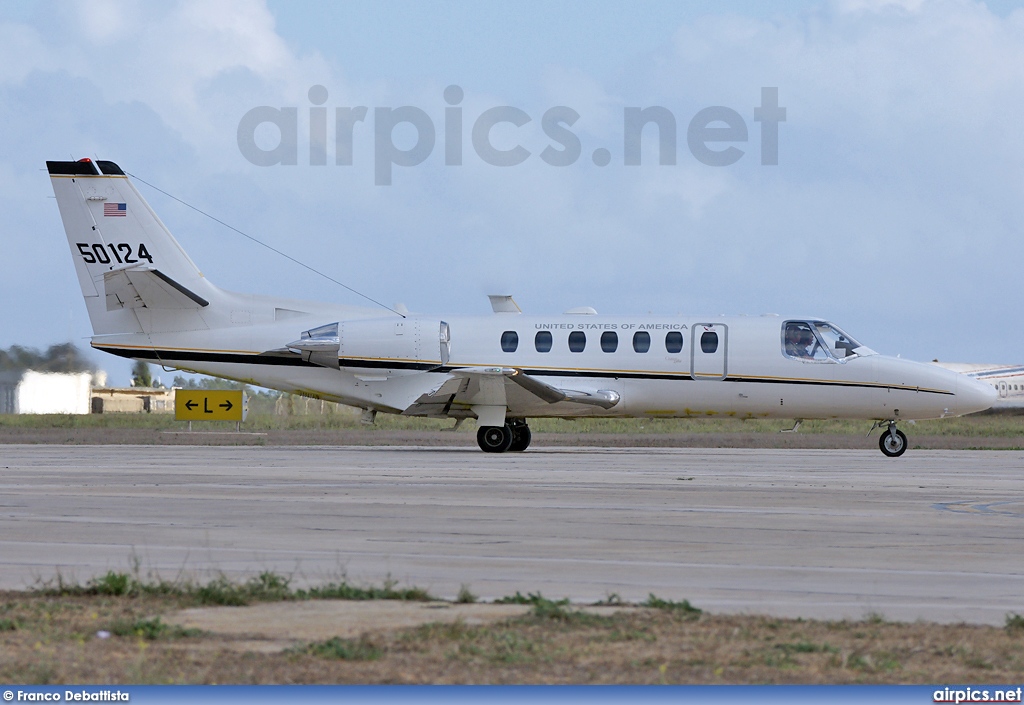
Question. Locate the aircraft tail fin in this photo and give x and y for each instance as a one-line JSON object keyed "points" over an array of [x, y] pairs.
{"points": [[134, 275]]}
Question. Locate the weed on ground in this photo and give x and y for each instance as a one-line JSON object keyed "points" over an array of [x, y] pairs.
{"points": [[116, 629], [265, 587]]}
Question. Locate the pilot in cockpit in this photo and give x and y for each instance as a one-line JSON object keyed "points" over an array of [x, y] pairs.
{"points": [[798, 340]]}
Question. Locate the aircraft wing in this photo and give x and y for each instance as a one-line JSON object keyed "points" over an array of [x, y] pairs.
{"points": [[500, 387]]}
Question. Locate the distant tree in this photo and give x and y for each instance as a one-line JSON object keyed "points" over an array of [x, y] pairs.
{"points": [[141, 376], [218, 383], [207, 383], [64, 357]]}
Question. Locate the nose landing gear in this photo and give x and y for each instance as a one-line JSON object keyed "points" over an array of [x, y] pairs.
{"points": [[893, 442]]}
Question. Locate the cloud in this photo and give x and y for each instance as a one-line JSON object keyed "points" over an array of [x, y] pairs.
{"points": [[22, 51], [186, 61], [897, 198]]}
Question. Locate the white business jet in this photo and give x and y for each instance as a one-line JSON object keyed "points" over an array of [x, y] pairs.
{"points": [[1007, 380], [148, 301]]}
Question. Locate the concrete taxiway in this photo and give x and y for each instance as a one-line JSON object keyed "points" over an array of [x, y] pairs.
{"points": [[935, 535]]}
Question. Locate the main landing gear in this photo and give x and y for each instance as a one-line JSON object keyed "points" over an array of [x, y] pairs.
{"points": [[893, 442], [514, 436]]}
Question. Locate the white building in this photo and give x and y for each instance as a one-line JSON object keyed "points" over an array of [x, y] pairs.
{"points": [[47, 392]]}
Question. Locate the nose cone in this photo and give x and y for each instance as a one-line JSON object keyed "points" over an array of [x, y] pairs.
{"points": [[972, 395]]}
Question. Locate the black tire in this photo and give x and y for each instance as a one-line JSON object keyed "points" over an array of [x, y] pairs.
{"points": [[521, 438], [494, 439], [893, 443]]}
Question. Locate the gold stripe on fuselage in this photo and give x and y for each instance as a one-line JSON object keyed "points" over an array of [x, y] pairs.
{"points": [[555, 370]]}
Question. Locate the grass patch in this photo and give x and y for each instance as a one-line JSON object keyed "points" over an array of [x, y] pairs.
{"points": [[552, 643], [346, 591], [112, 584], [683, 607], [343, 649], [465, 597], [222, 591], [151, 629], [302, 414], [531, 598], [1015, 623], [553, 609], [806, 647]]}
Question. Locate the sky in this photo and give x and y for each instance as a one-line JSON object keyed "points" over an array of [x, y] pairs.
{"points": [[895, 207]]}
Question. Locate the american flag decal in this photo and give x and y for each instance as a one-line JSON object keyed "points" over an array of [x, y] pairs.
{"points": [[115, 210]]}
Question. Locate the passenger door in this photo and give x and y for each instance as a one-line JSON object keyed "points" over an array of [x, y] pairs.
{"points": [[709, 351]]}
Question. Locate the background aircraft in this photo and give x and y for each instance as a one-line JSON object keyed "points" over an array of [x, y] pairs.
{"points": [[1007, 380]]}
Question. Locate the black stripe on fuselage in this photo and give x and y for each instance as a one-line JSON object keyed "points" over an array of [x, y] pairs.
{"points": [[171, 356], [162, 356]]}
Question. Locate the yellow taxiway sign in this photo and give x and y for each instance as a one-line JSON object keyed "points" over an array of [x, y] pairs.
{"points": [[210, 405]]}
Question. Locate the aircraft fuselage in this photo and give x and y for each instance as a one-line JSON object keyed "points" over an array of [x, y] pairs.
{"points": [[147, 300]]}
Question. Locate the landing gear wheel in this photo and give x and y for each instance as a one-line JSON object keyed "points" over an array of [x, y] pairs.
{"points": [[521, 438], [893, 443], [494, 439]]}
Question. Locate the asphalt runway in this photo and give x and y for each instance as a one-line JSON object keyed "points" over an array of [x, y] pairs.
{"points": [[935, 535]]}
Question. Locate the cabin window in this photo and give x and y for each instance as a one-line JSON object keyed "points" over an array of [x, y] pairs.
{"points": [[641, 341], [674, 341], [609, 341], [542, 341], [708, 341], [577, 341], [509, 341]]}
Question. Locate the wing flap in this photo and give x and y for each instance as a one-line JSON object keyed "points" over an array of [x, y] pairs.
{"points": [[480, 388]]}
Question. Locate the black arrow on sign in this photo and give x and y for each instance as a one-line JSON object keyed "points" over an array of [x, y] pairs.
{"points": [[190, 405], [226, 406]]}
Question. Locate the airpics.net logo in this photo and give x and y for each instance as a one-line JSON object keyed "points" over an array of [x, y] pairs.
{"points": [[269, 136]]}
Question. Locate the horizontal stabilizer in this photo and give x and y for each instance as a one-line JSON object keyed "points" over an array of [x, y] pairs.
{"points": [[146, 287]]}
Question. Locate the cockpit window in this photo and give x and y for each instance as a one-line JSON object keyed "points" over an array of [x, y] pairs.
{"points": [[840, 345], [801, 343], [819, 341]]}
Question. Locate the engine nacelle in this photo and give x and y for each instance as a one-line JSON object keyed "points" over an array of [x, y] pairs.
{"points": [[382, 339], [378, 341]]}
